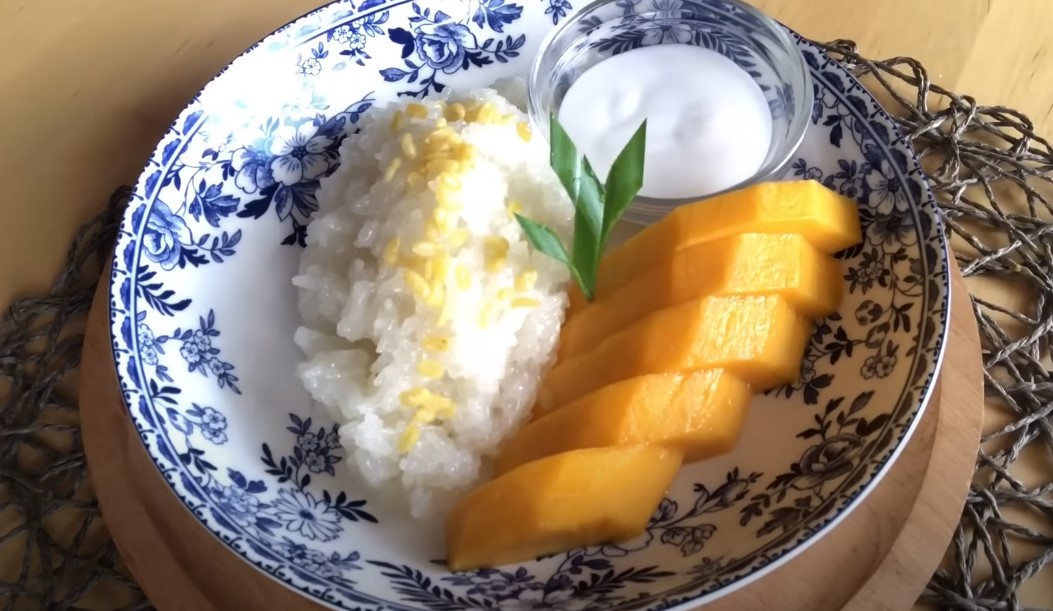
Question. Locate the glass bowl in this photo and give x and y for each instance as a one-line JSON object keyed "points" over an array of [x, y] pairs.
{"points": [[756, 43]]}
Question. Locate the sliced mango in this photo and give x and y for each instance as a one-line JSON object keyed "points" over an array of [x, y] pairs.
{"points": [[569, 500], [759, 338], [699, 414], [825, 218], [748, 264]]}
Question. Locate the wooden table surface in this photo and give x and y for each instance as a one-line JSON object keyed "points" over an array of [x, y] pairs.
{"points": [[88, 86]]}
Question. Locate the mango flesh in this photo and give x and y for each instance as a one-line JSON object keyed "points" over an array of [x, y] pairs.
{"points": [[759, 338], [749, 264], [692, 315], [828, 220], [564, 501], [699, 414]]}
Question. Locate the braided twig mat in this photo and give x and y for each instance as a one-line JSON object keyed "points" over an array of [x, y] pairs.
{"points": [[992, 175], [994, 178]]}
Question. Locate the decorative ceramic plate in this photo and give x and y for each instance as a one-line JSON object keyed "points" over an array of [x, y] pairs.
{"points": [[203, 315]]}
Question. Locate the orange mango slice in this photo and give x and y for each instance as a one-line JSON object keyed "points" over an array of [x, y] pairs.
{"points": [[759, 338], [699, 414], [828, 220], [749, 264], [564, 501]]}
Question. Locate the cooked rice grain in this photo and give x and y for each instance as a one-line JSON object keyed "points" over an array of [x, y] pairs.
{"points": [[427, 317]]}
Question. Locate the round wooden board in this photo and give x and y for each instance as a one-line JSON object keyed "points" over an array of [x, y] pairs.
{"points": [[879, 558]]}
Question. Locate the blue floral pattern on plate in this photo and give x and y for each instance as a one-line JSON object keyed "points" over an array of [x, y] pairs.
{"points": [[202, 314]]}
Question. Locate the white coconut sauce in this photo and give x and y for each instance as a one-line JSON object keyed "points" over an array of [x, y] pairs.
{"points": [[708, 123]]}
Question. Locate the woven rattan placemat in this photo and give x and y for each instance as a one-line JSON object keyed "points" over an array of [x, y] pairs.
{"points": [[994, 178]]}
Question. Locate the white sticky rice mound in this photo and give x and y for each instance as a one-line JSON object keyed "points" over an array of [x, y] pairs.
{"points": [[363, 328]]}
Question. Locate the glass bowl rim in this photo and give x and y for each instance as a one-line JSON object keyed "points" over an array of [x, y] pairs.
{"points": [[797, 76]]}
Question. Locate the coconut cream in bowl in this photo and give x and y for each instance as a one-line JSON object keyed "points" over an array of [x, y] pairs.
{"points": [[724, 89]]}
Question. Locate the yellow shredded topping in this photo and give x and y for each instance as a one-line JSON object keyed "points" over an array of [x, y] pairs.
{"points": [[432, 230], [437, 343], [413, 262], [433, 403], [430, 369], [446, 198], [441, 267], [393, 167], [525, 302], [458, 237], [416, 111], [443, 219], [410, 437], [443, 136], [429, 405], [464, 278], [444, 313], [526, 280], [524, 131], [485, 113], [455, 112], [409, 149], [436, 297], [413, 397], [514, 208], [438, 160], [396, 121], [451, 181], [417, 284], [425, 248], [495, 249]]}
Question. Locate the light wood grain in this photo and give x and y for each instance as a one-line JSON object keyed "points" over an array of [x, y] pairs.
{"points": [[94, 83], [1011, 61], [911, 513]]}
